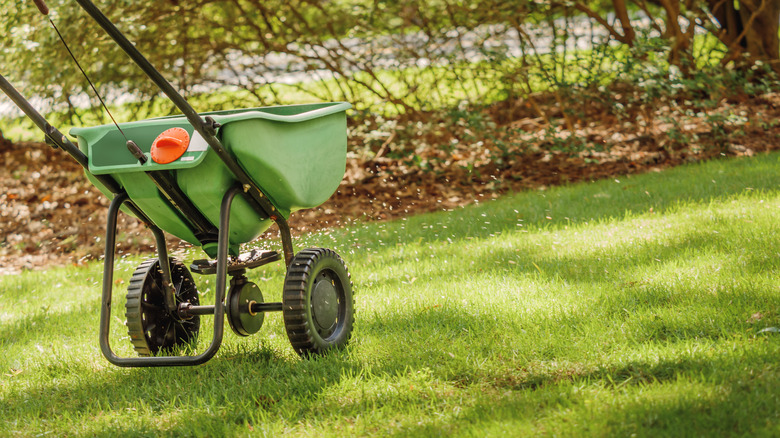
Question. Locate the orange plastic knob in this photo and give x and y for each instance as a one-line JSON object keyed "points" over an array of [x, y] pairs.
{"points": [[170, 145]]}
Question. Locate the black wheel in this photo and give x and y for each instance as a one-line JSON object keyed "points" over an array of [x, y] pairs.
{"points": [[317, 302], [151, 327]]}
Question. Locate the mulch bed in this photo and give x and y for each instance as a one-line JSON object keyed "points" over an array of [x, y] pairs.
{"points": [[51, 215]]}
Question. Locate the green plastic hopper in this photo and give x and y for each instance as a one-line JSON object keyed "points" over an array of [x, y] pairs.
{"points": [[296, 154]]}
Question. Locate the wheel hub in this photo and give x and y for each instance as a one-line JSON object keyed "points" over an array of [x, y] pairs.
{"points": [[325, 304], [241, 318]]}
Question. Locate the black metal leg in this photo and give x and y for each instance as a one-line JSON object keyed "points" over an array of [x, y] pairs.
{"points": [[287, 246], [219, 305], [165, 267], [108, 275]]}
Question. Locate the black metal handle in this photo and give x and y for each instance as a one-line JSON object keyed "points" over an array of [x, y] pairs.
{"points": [[205, 128], [42, 7]]}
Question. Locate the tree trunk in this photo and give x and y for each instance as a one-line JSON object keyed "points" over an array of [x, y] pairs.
{"points": [[621, 11], [751, 27], [4, 144], [761, 36], [680, 54]]}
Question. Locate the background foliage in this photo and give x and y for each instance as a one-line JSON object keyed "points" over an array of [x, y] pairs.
{"points": [[396, 57]]}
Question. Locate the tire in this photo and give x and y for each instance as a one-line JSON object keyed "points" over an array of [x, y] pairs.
{"points": [[151, 327], [317, 302]]}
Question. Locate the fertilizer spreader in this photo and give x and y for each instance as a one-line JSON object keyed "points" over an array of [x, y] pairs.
{"points": [[216, 180]]}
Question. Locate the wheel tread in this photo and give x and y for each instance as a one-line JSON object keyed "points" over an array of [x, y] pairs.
{"points": [[294, 310]]}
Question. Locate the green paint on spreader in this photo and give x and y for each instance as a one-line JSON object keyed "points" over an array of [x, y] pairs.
{"points": [[296, 154]]}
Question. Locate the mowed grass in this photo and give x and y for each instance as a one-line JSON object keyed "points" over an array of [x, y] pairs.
{"points": [[646, 306]]}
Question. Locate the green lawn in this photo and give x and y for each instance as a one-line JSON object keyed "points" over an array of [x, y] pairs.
{"points": [[619, 307]]}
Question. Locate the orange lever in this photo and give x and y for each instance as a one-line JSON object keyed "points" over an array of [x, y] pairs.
{"points": [[170, 145]]}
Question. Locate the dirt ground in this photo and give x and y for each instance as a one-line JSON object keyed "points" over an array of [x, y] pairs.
{"points": [[51, 215]]}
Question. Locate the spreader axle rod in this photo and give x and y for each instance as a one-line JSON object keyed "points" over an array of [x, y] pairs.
{"points": [[187, 310], [266, 307]]}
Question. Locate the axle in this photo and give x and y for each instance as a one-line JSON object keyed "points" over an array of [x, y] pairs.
{"points": [[187, 310]]}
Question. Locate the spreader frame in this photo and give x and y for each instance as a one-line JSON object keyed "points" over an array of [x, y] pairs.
{"points": [[162, 254]]}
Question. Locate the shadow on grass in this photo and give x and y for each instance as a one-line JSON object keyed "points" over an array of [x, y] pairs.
{"points": [[619, 264], [265, 382], [229, 393], [257, 380], [678, 305], [35, 327], [718, 396]]}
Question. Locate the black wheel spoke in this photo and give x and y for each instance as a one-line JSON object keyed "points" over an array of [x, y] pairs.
{"points": [[155, 294], [168, 334], [176, 328], [181, 331], [177, 288], [151, 307], [151, 327]]}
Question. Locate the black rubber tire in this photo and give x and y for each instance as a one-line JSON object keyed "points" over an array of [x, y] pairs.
{"points": [[151, 327], [316, 323]]}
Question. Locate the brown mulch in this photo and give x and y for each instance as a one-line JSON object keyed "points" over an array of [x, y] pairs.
{"points": [[51, 215]]}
